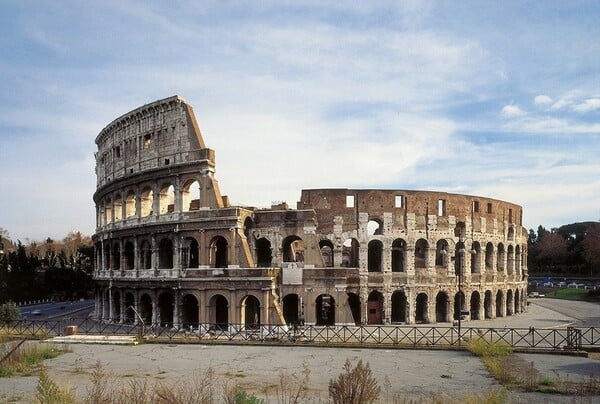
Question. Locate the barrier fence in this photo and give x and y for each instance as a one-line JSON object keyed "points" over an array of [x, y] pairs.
{"points": [[371, 335]]}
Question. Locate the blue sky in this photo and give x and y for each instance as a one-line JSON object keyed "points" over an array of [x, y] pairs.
{"points": [[498, 99]]}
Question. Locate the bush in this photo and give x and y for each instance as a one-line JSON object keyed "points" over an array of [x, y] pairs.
{"points": [[9, 313], [354, 386]]}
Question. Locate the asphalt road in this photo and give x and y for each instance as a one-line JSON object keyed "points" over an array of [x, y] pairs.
{"points": [[57, 310]]}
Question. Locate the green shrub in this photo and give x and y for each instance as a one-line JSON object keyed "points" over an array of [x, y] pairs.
{"points": [[9, 313]]}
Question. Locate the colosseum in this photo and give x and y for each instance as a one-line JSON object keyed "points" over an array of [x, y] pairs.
{"points": [[172, 250]]}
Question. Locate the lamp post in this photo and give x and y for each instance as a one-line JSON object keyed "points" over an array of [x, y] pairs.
{"points": [[459, 261]]}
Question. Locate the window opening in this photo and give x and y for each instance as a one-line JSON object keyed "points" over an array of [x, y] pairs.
{"points": [[349, 201]]}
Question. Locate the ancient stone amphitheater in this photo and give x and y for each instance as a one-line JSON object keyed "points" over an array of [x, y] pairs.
{"points": [[171, 250]]}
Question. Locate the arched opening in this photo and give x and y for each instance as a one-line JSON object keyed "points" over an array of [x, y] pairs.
{"points": [[475, 258], [219, 252], [189, 311], [510, 260], [129, 256], [499, 304], [130, 205], [510, 304], [291, 308], [190, 196], [375, 255], [165, 254], [511, 233], [264, 254], [500, 259], [459, 305], [293, 249], [129, 306], [325, 307], [190, 256], [219, 312], [399, 307], [441, 254], [421, 309], [375, 308], [489, 256], [250, 312], [165, 309], [398, 253], [475, 306], [374, 227], [118, 208], [116, 306], [442, 308], [146, 255], [146, 200], [326, 247], [518, 260], [146, 308], [354, 304], [116, 258], [517, 301], [487, 305], [108, 211], [167, 199], [421, 248], [350, 253]]}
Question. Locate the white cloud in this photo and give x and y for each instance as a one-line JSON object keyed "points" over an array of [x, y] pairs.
{"points": [[588, 105], [511, 111], [542, 100]]}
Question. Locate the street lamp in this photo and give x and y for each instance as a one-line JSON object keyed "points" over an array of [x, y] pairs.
{"points": [[459, 261]]}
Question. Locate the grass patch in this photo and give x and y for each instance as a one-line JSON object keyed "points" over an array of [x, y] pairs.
{"points": [[26, 358], [569, 294]]}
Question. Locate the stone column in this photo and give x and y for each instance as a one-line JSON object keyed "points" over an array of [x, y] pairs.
{"points": [[176, 308]]}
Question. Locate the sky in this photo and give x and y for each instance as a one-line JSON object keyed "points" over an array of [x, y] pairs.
{"points": [[487, 98]]}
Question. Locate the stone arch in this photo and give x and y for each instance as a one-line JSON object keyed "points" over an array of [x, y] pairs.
{"points": [[130, 205], [499, 303], [422, 308], [190, 254], [219, 252], [510, 264], [250, 312], [459, 304], [190, 195], [326, 247], [398, 255], [165, 253], [489, 256], [166, 200], [291, 308], [118, 206], [146, 255], [189, 310], [129, 308], [487, 305], [219, 311], [511, 233], [442, 307], [264, 254], [325, 310], [146, 308], [441, 253], [510, 304], [475, 258], [116, 305], [500, 258], [517, 301], [518, 259], [421, 249], [399, 307], [129, 255], [475, 305], [166, 302], [375, 308], [146, 201], [108, 212], [375, 256], [350, 253], [116, 257], [293, 249]]}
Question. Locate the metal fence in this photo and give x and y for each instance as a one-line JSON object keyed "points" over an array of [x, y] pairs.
{"points": [[417, 336]]}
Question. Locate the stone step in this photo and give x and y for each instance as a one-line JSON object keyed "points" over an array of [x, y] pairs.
{"points": [[96, 339]]}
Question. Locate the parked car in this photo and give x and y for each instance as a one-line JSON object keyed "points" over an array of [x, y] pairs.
{"points": [[535, 294]]}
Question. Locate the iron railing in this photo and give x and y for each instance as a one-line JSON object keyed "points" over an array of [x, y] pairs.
{"points": [[370, 335]]}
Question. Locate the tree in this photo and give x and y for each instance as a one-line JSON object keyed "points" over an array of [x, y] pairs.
{"points": [[591, 246], [9, 312]]}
